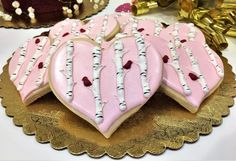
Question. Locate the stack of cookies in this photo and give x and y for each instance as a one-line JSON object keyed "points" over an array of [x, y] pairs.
{"points": [[106, 69]]}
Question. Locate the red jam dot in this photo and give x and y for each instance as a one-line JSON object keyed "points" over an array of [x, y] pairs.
{"points": [[165, 59], [193, 76], [65, 34], [86, 81], [140, 29], [183, 41], [82, 30], [37, 41], [40, 65], [128, 65]]}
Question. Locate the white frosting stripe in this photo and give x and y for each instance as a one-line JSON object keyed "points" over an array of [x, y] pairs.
{"points": [[134, 25], [42, 73], [119, 53], [96, 84], [32, 62], [179, 71], [91, 25], [175, 34], [218, 68], [100, 37], [69, 70], [74, 31], [158, 28], [21, 60], [57, 34], [192, 32], [142, 58], [197, 70]]}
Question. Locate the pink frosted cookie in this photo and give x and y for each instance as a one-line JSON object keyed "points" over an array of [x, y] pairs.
{"points": [[192, 71], [105, 86], [99, 28], [28, 68]]}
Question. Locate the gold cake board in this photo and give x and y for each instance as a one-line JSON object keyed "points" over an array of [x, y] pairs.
{"points": [[86, 10], [160, 124]]}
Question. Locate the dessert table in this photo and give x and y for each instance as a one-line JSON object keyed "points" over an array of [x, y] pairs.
{"points": [[15, 145]]}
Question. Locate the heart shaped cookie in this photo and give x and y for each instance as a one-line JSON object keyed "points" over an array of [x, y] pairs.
{"points": [[192, 70], [106, 86]]}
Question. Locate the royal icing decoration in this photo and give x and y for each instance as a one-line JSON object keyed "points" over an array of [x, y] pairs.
{"points": [[219, 71], [196, 69], [31, 64], [45, 65], [91, 26], [69, 70], [158, 28], [59, 31], [179, 71], [142, 58], [20, 62], [96, 84], [102, 33], [74, 30], [119, 53], [192, 32], [175, 34]]}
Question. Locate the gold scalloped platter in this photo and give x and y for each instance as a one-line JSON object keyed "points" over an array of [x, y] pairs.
{"points": [[86, 10], [160, 124]]}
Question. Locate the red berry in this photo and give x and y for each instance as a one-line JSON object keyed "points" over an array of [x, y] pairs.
{"points": [[140, 29], [40, 65], [193, 76], [183, 41], [37, 41], [165, 59], [65, 34], [86, 82], [82, 30], [128, 65]]}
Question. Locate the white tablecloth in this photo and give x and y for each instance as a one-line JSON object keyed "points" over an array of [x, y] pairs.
{"points": [[15, 145]]}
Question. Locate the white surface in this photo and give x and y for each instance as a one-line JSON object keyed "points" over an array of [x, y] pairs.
{"points": [[15, 145]]}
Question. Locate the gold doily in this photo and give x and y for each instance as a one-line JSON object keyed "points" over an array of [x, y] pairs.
{"points": [[160, 124], [86, 10]]}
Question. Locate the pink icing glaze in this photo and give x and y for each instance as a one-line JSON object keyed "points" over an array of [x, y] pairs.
{"points": [[83, 101], [170, 77], [30, 85]]}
